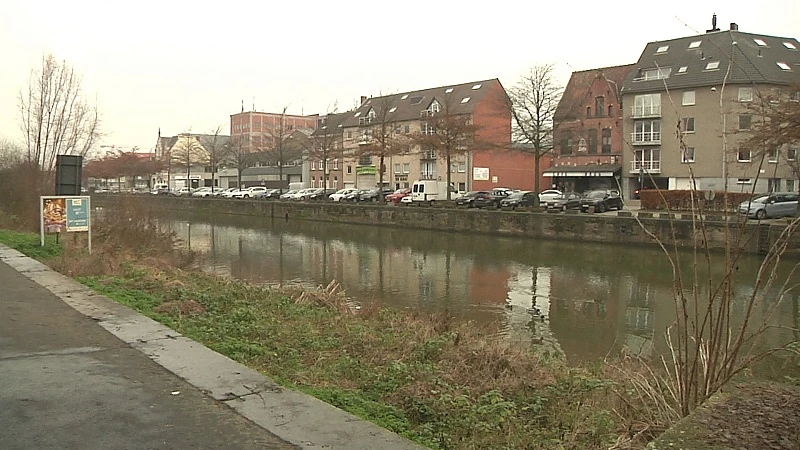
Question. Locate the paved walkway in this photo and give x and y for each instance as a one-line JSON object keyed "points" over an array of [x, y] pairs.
{"points": [[78, 371]]}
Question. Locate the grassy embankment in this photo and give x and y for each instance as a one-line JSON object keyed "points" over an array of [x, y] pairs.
{"points": [[441, 383]]}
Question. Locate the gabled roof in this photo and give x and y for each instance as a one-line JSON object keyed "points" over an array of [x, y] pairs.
{"points": [[754, 58], [578, 89], [408, 105], [331, 124]]}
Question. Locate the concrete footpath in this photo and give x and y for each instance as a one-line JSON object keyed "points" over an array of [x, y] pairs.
{"points": [[79, 371]]}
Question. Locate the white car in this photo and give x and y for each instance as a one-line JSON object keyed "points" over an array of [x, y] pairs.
{"points": [[249, 192], [549, 194], [230, 193], [288, 194], [202, 192], [337, 196]]}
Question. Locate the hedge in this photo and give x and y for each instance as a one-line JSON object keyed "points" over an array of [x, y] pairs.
{"points": [[682, 200]]}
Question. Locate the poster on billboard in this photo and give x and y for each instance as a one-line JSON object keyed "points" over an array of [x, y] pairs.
{"points": [[68, 214], [480, 173]]}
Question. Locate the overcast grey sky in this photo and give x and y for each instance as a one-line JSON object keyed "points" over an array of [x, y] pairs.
{"points": [[186, 66]]}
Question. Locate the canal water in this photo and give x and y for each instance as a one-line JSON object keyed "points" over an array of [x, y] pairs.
{"points": [[586, 300]]}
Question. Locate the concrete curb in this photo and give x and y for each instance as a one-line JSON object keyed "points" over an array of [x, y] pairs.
{"points": [[295, 417]]}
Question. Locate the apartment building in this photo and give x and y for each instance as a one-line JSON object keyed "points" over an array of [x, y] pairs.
{"points": [[689, 103], [588, 140], [188, 158], [324, 152], [257, 130], [485, 162]]}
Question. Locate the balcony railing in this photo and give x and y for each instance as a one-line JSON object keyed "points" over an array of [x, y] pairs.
{"points": [[427, 176], [364, 140], [646, 138], [365, 120], [637, 112], [646, 166]]}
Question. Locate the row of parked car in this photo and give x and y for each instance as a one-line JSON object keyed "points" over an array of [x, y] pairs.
{"points": [[599, 200]]}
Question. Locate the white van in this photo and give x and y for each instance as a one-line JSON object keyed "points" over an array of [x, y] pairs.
{"points": [[160, 189], [428, 191]]}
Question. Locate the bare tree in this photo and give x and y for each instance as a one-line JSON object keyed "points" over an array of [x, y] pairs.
{"points": [[273, 146], [55, 118], [777, 128], [10, 154], [381, 134], [326, 142], [446, 133], [188, 152], [533, 102], [217, 151]]}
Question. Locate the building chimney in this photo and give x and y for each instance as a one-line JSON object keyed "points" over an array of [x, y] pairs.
{"points": [[363, 99], [734, 27], [713, 24]]}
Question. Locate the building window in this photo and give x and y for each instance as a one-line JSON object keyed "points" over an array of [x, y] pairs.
{"points": [[408, 129], [321, 165], [610, 110], [646, 105], [683, 69], [687, 155], [688, 98], [349, 170], [606, 140], [772, 156], [713, 65], [365, 160], [406, 168], [662, 49], [453, 167], [599, 106], [744, 181], [688, 124], [791, 154], [744, 121], [335, 164], [349, 135], [743, 155], [462, 167], [462, 187], [592, 141], [745, 94], [588, 112], [566, 142], [695, 44], [647, 131], [397, 168], [783, 66], [790, 185]]}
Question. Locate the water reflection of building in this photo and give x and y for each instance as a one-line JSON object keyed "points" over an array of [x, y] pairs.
{"points": [[584, 312]]}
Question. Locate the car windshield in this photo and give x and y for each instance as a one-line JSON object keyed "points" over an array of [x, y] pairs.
{"points": [[596, 194], [516, 195], [762, 199]]}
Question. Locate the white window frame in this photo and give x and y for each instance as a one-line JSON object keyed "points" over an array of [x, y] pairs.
{"points": [[749, 156], [462, 167], [685, 122], [406, 168], [689, 98], [744, 181], [712, 65], [398, 168], [745, 94], [772, 156], [791, 154], [687, 156]]}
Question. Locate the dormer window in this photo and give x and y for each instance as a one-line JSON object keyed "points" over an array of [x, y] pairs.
{"points": [[662, 49], [371, 113], [695, 44], [435, 107], [654, 74]]}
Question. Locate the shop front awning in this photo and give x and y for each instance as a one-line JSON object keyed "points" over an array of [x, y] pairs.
{"points": [[590, 171]]}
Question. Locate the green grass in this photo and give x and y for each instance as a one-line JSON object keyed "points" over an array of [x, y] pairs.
{"points": [[30, 244]]}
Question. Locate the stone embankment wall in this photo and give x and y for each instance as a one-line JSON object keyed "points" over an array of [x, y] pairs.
{"points": [[619, 228]]}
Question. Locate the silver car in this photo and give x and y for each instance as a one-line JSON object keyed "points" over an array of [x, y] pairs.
{"points": [[777, 204]]}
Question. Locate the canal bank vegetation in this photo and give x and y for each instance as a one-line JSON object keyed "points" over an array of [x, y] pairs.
{"points": [[444, 383]]}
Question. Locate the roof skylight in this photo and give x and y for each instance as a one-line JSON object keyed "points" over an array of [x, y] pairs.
{"points": [[448, 90], [662, 49], [790, 46], [760, 42], [683, 69], [783, 65], [476, 87], [393, 109], [404, 97], [695, 44], [357, 114], [465, 100], [712, 65]]}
